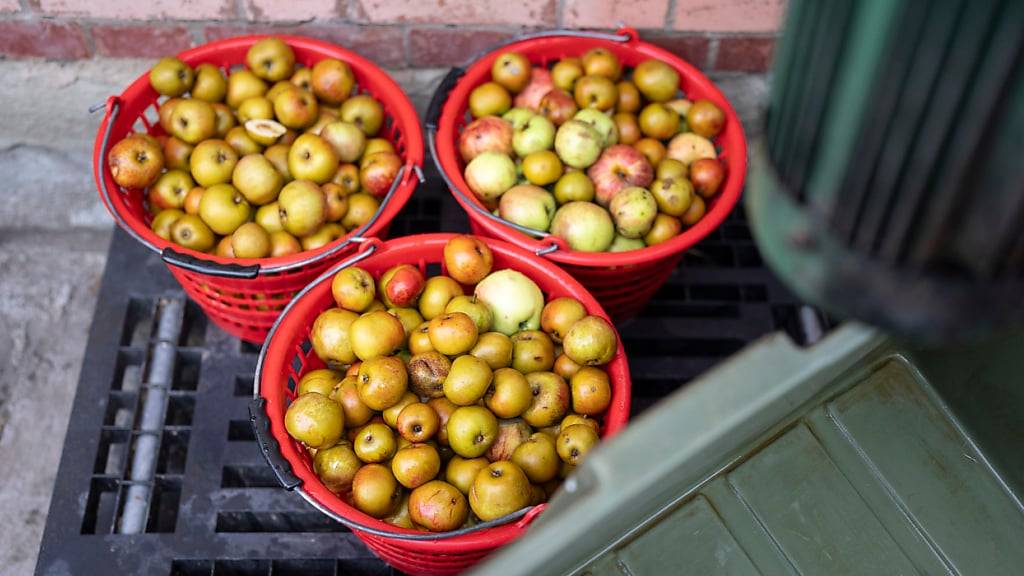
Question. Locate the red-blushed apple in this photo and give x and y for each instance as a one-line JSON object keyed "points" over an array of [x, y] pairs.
{"points": [[467, 259], [518, 117], [558, 106], [401, 286], [379, 171], [540, 84], [619, 167], [707, 175], [487, 134]]}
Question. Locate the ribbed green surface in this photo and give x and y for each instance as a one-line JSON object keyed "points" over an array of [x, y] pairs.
{"points": [[899, 123], [854, 457]]}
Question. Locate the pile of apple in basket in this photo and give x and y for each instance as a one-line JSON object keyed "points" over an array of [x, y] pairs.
{"points": [[270, 160], [440, 409], [605, 162]]}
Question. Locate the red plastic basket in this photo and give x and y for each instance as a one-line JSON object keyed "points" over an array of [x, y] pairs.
{"points": [[624, 281], [288, 355], [245, 296]]}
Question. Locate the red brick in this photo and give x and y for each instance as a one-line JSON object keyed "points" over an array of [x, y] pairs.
{"points": [[515, 12], [450, 46], [382, 45], [608, 13], [42, 38], [140, 41], [141, 9], [693, 49], [728, 15], [744, 54], [290, 10]]}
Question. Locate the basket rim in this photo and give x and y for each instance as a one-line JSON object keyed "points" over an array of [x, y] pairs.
{"points": [[734, 140], [405, 182], [280, 346]]}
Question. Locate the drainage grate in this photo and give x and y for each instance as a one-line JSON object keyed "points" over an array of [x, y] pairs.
{"points": [[212, 507]]}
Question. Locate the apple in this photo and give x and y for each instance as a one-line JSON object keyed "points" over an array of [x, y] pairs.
{"points": [[542, 168], [595, 92], [705, 118], [695, 212], [528, 205], [665, 228], [601, 122], [574, 186], [489, 99], [584, 225], [619, 167], [629, 97], [707, 175], [558, 106], [619, 244], [633, 210], [627, 127], [312, 158], [511, 70], [602, 62], [378, 172], [658, 121], [467, 259], [296, 108], [535, 135], [688, 147], [673, 195], [540, 84], [347, 139], [401, 286], [487, 134], [656, 80], [566, 72], [516, 302], [518, 117], [652, 149], [578, 144], [135, 162], [331, 80], [490, 174], [511, 433]]}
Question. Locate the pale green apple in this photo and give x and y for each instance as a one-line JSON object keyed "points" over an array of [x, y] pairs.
{"points": [[601, 122], [528, 205], [536, 135], [516, 302]]}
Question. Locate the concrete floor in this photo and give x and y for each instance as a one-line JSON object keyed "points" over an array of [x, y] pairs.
{"points": [[53, 242]]}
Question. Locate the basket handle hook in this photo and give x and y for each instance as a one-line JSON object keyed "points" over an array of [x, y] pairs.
{"points": [[269, 447]]}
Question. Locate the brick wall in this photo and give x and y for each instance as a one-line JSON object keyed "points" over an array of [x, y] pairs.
{"points": [[719, 35]]}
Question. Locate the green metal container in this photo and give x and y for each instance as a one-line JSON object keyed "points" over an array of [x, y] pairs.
{"points": [[854, 456]]}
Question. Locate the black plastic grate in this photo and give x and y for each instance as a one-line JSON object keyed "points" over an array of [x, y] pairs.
{"points": [[215, 507]]}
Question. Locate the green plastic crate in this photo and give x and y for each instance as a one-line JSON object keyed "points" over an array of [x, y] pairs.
{"points": [[854, 456]]}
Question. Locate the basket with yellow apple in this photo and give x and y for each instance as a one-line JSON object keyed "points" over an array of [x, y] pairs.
{"points": [[431, 392], [252, 164]]}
